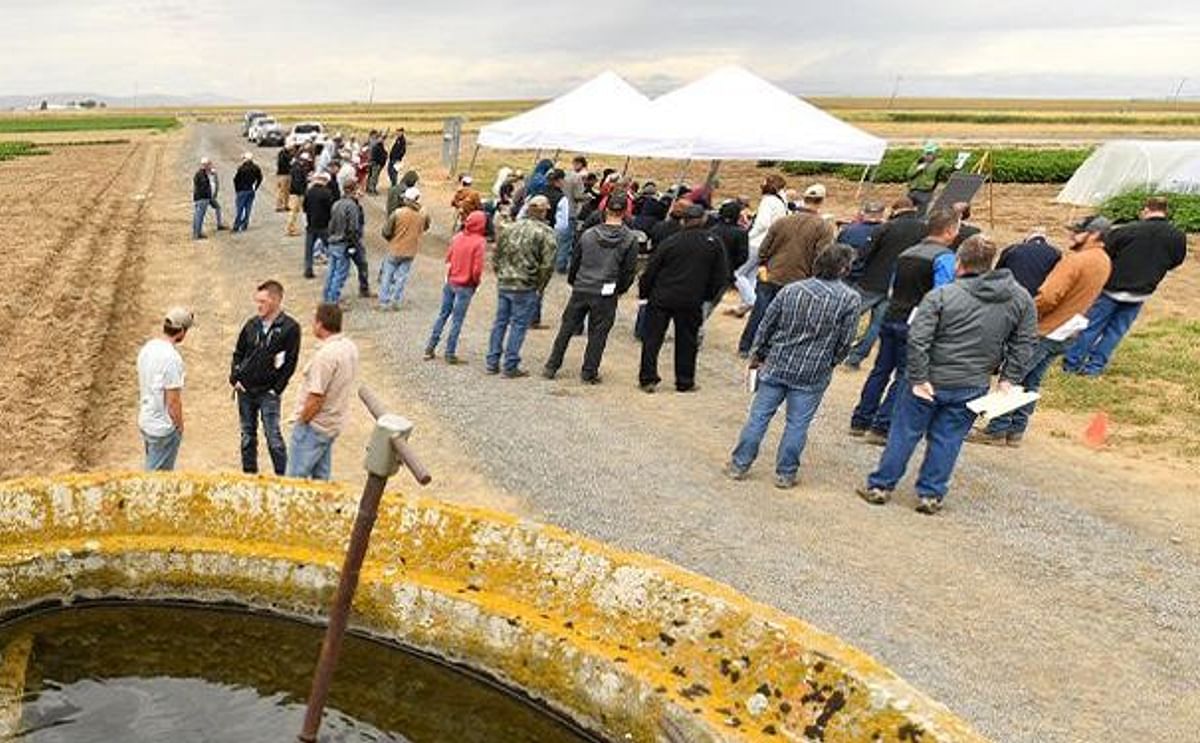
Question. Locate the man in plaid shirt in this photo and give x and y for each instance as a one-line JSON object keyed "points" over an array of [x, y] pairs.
{"points": [[806, 332]]}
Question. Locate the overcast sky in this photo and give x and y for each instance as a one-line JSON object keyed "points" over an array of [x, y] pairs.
{"points": [[299, 50]]}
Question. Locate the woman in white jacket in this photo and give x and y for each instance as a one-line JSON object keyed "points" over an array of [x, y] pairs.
{"points": [[771, 208]]}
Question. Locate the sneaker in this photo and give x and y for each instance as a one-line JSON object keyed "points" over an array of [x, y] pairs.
{"points": [[858, 433], [981, 436], [874, 496], [733, 472], [929, 505], [785, 482], [877, 438], [429, 354], [1014, 440], [649, 389], [515, 374], [454, 360], [548, 373]]}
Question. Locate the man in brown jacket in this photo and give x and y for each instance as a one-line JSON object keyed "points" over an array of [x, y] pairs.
{"points": [[786, 255], [1068, 291], [403, 231]]}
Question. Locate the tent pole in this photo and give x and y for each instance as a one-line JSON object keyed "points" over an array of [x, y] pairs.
{"points": [[625, 170], [861, 182], [474, 156], [712, 173]]}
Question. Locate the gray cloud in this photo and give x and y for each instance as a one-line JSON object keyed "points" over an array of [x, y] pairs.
{"points": [[317, 51]]}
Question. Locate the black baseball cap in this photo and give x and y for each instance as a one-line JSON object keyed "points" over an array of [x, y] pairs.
{"points": [[1094, 223], [694, 211]]}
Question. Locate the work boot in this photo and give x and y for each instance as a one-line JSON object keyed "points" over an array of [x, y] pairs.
{"points": [[785, 482], [928, 505], [548, 373], [1014, 439], [590, 380], [454, 360], [877, 438], [981, 436], [430, 354], [874, 496], [735, 473], [515, 374], [858, 433], [650, 388]]}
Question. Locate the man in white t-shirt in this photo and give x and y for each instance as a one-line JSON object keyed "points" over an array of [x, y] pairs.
{"points": [[160, 384]]}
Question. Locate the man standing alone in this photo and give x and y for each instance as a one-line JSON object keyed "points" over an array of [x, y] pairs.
{"points": [[601, 270], [524, 260], [246, 181], [961, 333], [160, 391], [805, 334], [263, 363], [330, 381]]}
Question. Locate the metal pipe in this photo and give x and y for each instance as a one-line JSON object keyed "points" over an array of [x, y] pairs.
{"points": [[474, 157], [387, 451]]}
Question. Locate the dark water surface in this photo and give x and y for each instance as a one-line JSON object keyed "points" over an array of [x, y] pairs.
{"points": [[117, 673]]}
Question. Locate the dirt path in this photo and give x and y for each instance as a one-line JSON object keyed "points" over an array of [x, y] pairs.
{"points": [[1049, 603]]}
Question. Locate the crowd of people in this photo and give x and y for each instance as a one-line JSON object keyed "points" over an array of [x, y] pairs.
{"points": [[947, 310]]}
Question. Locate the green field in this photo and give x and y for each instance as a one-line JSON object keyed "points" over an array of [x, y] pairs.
{"points": [[10, 150], [1008, 165], [83, 123]]}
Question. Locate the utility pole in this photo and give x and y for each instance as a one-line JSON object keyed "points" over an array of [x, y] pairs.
{"points": [[371, 93], [895, 91]]}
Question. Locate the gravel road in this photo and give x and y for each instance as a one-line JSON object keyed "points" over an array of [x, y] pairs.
{"points": [[1032, 606]]}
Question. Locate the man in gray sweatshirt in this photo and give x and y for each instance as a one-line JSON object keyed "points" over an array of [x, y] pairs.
{"points": [[601, 270], [961, 333]]}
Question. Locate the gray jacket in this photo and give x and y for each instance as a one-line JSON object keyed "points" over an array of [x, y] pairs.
{"points": [[607, 254], [344, 228], [965, 330]]}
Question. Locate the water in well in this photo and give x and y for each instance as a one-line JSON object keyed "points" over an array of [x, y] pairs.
{"points": [[142, 673]]}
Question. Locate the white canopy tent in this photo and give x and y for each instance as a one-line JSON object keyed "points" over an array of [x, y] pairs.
{"points": [[591, 118], [1121, 165], [732, 114]]}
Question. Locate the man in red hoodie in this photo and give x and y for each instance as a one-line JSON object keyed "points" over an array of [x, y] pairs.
{"points": [[464, 261]]}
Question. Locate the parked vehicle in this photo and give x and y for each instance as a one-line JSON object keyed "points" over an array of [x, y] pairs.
{"points": [[248, 119], [258, 125], [305, 132], [271, 136]]}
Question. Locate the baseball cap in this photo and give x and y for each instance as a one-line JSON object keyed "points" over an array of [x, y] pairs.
{"points": [[412, 194], [617, 202], [873, 207], [539, 202], [247, 155], [693, 211], [815, 191], [180, 318], [1094, 223], [931, 148], [467, 180], [556, 175]]}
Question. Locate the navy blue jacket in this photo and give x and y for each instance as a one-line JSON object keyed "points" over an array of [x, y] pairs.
{"points": [[858, 236], [1030, 262]]}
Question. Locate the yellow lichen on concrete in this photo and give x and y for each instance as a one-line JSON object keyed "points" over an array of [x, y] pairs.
{"points": [[627, 645]]}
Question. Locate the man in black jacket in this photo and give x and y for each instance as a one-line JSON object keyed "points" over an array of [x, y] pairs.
{"points": [[1142, 254], [318, 205], [202, 196], [263, 362], [878, 262], [601, 270], [379, 159], [686, 271], [246, 181], [395, 156]]}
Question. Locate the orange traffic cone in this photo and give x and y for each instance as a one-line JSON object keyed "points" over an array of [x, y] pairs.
{"points": [[1096, 434]]}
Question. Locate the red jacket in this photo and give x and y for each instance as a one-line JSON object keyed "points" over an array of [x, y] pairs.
{"points": [[464, 259]]}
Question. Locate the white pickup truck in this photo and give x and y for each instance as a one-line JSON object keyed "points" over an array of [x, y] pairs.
{"points": [[305, 132]]}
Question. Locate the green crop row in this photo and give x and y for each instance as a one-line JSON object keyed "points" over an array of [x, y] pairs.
{"points": [[954, 117], [10, 150], [1184, 208], [1009, 165], [70, 123]]}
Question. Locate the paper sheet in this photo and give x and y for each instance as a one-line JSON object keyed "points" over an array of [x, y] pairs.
{"points": [[1069, 329], [998, 403]]}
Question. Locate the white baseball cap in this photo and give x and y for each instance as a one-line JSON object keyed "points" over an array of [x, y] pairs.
{"points": [[412, 194], [247, 155], [180, 318], [815, 191]]}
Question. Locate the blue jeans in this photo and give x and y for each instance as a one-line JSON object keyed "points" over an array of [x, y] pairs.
{"points": [[339, 269], [802, 404], [892, 359], [314, 245], [395, 272], [251, 407], [1018, 420], [1108, 322], [312, 453], [216, 207], [566, 244], [161, 451], [455, 302], [514, 311], [764, 294], [943, 423], [199, 209], [243, 204], [877, 305]]}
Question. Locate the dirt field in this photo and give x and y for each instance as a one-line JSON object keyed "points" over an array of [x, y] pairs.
{"points": [[1054, 601]]}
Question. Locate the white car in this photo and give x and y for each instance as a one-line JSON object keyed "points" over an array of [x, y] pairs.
{"points": [[305, 132], [259, 125], [248, 119]]}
